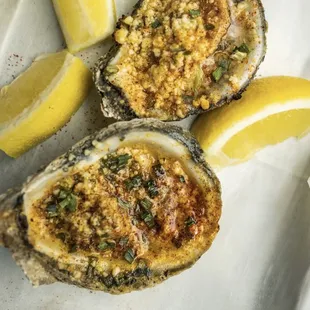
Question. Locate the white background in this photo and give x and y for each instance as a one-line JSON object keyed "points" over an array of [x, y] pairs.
{"points": [[261, 257]]}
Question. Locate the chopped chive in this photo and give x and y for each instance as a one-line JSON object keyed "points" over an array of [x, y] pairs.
{"points": [[64, 203], [63, 194], [155, 24], [188, 99], [123, 241], [225, 64], [243, 48], [129, 256], [194, 13], [209, 26], [105, 245], [123, 203], [152, 188], [116, 163], [217, 74], [52, 210], [148, 219], [72, 203], [111, 243], [190, 221], [69, 203], [134, 182], [145, 204], [182, 179]]}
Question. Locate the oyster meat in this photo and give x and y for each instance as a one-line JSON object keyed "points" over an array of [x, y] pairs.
{"points": [[173, 58], [123, 210]]}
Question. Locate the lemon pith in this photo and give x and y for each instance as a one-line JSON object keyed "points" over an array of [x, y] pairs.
{"points": [[85, 22], [38, 103], [272, 110]]}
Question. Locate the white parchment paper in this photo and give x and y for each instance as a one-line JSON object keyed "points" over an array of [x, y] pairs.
{"points": [[261, 257]]}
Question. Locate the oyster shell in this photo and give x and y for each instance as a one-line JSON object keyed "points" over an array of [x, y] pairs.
{"points": [[170, 60], [124, 209]]}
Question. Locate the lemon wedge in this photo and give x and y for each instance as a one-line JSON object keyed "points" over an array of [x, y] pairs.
{"points": [[41, 100], [272, 110], [85, 22]]}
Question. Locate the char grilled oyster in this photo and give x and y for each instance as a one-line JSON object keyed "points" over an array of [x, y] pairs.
{"points": [[173, 58], [123, 210]]}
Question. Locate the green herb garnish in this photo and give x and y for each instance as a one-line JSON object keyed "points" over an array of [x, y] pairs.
{"points": [[123, 203], [129, 256], [194, 13], [243, 48], [209, 26], [52, 210], [225, 64], [63, 194], [106, 245], [69, 203], [148, 219], [217, 74], [103, 246], [155, 24], [152, 188], [116, 163], [134, 182], [182, 179], [72, 203], [145, 204], [190, 221], [123, 241]]}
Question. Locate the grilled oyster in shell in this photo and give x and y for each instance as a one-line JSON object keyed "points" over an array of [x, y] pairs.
{"points": [[124, 209], [173, 58]]}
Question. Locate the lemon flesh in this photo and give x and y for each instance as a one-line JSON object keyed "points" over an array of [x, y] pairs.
{"points": [[41, 100], [272, 110], [85, 22]]}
